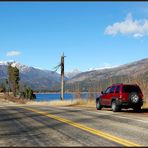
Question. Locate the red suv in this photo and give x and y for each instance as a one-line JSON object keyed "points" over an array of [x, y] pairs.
{"points": [[120, 96]]}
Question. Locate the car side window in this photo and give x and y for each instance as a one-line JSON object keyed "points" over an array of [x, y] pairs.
{"points": [[118, 89], [107, 90], [112, 89]]}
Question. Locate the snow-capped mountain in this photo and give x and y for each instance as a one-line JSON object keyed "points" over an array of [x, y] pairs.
{"points": [[131, 69], [21, 67], [30, 76], [72, 73]]}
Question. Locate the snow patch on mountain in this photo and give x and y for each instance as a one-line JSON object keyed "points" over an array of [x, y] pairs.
{"points": [[104, 67], [6, 62], [72, 73], [23, 68]]}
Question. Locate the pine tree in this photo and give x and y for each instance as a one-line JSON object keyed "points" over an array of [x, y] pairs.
{"points": [[27, 93], [13, 79]]}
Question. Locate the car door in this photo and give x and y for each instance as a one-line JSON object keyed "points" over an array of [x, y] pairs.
{"points": [[104, 96], [110, 95], [117, 91]]}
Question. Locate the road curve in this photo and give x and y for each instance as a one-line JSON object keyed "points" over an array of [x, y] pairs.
{"points": [[68, 126]]}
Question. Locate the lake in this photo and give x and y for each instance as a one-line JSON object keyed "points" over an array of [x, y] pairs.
{"points": [[67, 96]]}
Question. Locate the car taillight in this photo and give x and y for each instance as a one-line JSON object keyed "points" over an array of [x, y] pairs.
{"points": [[120, 96]]}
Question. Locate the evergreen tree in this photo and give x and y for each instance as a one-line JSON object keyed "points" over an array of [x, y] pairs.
{"points": [[13, 78], [27, 93]]}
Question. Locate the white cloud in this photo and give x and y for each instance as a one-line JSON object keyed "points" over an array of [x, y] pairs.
{"points": [[13, 53], [136, 28]]}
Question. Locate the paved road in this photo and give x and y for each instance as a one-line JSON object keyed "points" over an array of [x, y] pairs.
{"points": [[68, 126]]}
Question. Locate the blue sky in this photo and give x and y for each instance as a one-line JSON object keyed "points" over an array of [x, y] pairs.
{"points": [[91, 34]]}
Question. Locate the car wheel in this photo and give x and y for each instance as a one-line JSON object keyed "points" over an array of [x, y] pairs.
{"points": [[133, 97], [115, 106], [98, 104]]}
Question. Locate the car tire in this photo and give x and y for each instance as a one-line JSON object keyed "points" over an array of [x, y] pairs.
{"points": [[115, 106], [133, 97], [98, 104]]}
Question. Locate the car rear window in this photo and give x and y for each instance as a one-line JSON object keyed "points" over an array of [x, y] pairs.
{"points": [[130, 88]]}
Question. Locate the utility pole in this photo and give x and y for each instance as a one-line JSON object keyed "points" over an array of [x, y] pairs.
{"points": [[62, 77]]}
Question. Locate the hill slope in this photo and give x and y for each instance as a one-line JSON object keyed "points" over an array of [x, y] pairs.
{"points": [[138, 69]]}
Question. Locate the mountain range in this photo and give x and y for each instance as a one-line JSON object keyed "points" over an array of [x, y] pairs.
{"points": [[39, 79], [119, 74], [134, 69], [36, 78]]}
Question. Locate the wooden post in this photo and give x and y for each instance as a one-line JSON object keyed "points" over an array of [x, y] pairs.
{"points": [[62, 77]]}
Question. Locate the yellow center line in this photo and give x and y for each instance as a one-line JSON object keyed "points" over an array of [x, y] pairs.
{"points": [[99, 133]]}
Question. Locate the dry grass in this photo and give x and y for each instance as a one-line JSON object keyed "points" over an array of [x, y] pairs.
{"points": [[146, 97], [10, 98], [4, 101], [145, 106], [52, 103], [78, 102], [87, 103]]}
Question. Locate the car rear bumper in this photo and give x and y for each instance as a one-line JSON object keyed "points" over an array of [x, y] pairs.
{"points": [[129, 104]]}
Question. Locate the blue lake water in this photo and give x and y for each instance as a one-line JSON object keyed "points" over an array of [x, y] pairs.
{"points": [[67, 96]]}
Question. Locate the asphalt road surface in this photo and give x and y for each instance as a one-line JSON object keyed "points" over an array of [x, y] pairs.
{"points": [[68, 126]]}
